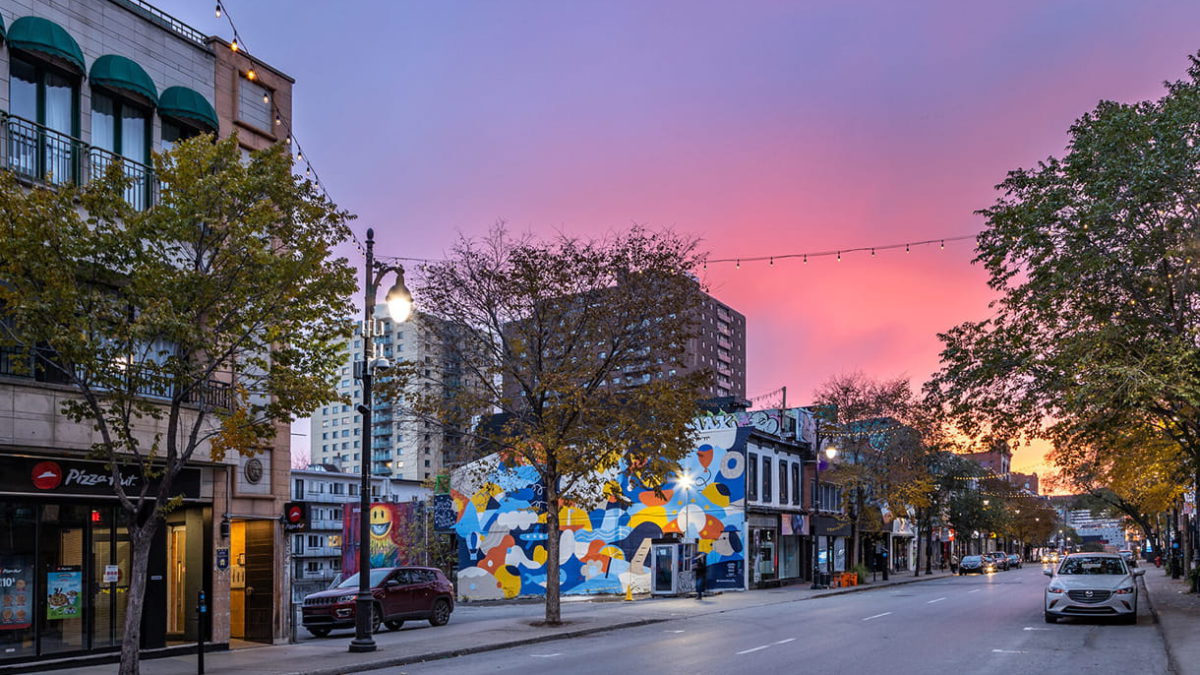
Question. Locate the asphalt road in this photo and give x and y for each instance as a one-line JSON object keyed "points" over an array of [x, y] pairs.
{"points": [[973, 624]]}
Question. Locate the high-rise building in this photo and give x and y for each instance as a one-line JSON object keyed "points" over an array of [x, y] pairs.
{"points": [[720, 346], [83, 83], [403, 445]]}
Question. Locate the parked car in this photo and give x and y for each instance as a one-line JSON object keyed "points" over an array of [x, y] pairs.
{"points": [[999, 559], [1014, 561], [400, 593], [1130, 558], [1092, 584], [976, 563]]}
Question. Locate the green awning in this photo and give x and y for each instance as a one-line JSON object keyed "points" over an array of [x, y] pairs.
{"points": [[119, 72], [35, 34], [188, 104]]}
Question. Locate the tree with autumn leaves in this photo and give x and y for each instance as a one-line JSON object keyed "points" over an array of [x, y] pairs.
{"points": [[195, 329], [577, 346]]}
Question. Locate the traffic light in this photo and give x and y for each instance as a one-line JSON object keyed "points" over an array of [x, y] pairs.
{"points": [[295, 516]]}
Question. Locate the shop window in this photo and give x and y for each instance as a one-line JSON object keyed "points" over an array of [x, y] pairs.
{"points": [[766, 479], [18, 587], [752, 477], [61, 552]]}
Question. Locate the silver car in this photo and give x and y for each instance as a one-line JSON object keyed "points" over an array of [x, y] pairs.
{"points": [[1092, 584]]}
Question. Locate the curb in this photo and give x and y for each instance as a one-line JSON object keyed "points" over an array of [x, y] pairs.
{"points": [[1172, 662], [479, 649]]}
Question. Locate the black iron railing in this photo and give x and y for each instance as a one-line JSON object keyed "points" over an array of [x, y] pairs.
{"points": [[41, 154]]}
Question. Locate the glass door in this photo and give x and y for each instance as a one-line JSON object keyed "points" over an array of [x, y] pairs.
{"points": [[663, 563], [63, 549], [18, 590], [176, 573]]}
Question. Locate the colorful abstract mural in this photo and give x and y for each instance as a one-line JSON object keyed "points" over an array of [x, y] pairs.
{"points": [[604, 546]]}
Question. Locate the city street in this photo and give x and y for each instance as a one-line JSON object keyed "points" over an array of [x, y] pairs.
{"points": [[976, 624]]}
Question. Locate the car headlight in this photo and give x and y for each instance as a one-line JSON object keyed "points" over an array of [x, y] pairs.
{"points": [[1125, 591], [1054, 589], [348, 597]]}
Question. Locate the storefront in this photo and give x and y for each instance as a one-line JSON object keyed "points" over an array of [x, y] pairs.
{"points": [[903, 545], [764, 549], [831, 533], [65, 558], [793, 542]]}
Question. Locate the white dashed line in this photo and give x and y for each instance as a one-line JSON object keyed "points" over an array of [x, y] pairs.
{"points": [[1008, 651], [672, 631], [784, 641], [546, 656], [747, 651], [1033, 628], [933, 601], [976, 590], [876, 616]]}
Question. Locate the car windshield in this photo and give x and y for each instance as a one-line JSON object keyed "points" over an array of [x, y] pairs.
{"points": [[971, 559], [377, 577], [1092, 566]]}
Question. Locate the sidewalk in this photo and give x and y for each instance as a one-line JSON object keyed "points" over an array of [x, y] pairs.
{"points": [[1178, 614], [474, 629]]}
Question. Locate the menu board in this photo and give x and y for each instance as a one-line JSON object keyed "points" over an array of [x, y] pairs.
{"points": [[64, 593], [16, 593]]}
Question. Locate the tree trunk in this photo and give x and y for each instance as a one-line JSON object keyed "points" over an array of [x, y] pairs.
{"points": [[140, 539], [917, 567], [553, 608]]}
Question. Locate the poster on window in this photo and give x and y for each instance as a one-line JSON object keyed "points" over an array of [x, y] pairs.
{"points": [[16, 593], [64, 593]]}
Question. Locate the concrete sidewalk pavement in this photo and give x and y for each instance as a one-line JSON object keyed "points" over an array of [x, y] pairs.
{"points": [[1177, 613], [471, 630]]}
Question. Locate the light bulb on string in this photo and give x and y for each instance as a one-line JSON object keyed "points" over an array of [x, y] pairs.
{"points": [[906, 248], [805, 258], [233, 46], [218, 10], [288, 140], [266, 97], [943, 246], [839, 256], [278, 121], [251, 75], [739, 264], [772, 262], [872, 253], [300, 156]]}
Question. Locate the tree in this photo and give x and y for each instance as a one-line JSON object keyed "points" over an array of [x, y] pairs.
{"points": [[214, 315], [578, 346], [1097, 323], [882, 459]]}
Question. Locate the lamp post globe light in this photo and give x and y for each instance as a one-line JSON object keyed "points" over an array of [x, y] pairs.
{"points": [[399, 307]]}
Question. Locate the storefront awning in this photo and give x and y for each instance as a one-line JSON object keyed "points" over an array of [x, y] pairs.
{"points": [[121, 73], [35, 34]]}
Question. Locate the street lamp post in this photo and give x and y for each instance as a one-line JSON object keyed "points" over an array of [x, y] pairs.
{"points": [[399, 306], [830, 452]]}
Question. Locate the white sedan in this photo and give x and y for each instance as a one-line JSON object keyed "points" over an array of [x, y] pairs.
{"points": [[1092, 584]]}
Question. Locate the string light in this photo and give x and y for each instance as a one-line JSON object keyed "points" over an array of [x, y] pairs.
{"points": [[906, 248], [250, 74], [279, 121], [233, 46], [943, 245], [772, 262], [218, 10], [872, 253], [739, 264], [266, 97], [839, 256]]}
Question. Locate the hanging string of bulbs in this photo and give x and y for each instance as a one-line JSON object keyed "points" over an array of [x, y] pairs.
{"points": [[839, 252], [238, 46]]}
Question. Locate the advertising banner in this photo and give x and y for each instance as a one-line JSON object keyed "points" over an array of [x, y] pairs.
{"points": [[64, 593], [16, 592]]}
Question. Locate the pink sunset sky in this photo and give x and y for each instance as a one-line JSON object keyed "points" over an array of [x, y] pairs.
{"points": [[761, 127]]}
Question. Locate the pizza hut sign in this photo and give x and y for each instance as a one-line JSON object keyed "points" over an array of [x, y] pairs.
{"points": [[80, 477]]}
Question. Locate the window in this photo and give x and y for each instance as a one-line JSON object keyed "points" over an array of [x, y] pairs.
{"points": [[254, 104], [796, 483], [783, 482], [174, 132], [43, 96], [299, 489], [752, 477], [314, 541], [766, 479]]}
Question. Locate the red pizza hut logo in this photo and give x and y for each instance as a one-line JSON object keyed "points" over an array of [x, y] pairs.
{"points": [[295, 515], [47, 475]]}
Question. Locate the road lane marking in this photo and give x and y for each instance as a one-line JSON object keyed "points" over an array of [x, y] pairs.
{"points": [[876, 616], [1033, 628], [976, 590], [747, 651], [933, 601], [546, 656], [1008, 651], [673, 631], [784, 641]]}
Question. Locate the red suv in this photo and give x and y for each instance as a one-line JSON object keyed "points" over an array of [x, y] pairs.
{"points": [[400, 593]]}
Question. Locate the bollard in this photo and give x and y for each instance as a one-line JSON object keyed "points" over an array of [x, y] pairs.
{"points": [[201, 611]]}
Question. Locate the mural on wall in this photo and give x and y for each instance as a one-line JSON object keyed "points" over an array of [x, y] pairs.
{"points": [[389, 524], [604, 546]]}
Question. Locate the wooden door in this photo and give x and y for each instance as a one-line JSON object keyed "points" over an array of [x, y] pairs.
{"points": [[260, 580]]}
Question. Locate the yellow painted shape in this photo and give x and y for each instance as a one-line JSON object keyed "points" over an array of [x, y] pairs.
{"points": [[650, 514], [539, 555], [714, 496], [510, 584]]}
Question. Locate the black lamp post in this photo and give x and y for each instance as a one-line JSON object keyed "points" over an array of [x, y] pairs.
{"points": [[399, 304], [830, 452]]}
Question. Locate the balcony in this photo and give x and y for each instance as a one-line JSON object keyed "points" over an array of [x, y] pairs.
{"points": [[213, 394], [724, 344], [40, 154]]}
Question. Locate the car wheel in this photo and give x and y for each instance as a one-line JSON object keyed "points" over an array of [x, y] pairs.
{"points": [[441, 613], [394, 624], [376, 618], [318, 632], [1050, 618]]}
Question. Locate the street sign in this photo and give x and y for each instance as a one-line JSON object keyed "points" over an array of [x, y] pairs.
{"points": [[222, 559]]}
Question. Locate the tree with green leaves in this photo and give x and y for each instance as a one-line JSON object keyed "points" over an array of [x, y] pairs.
{"points": [[578, 346], [1093, 255], [194, 329]]}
